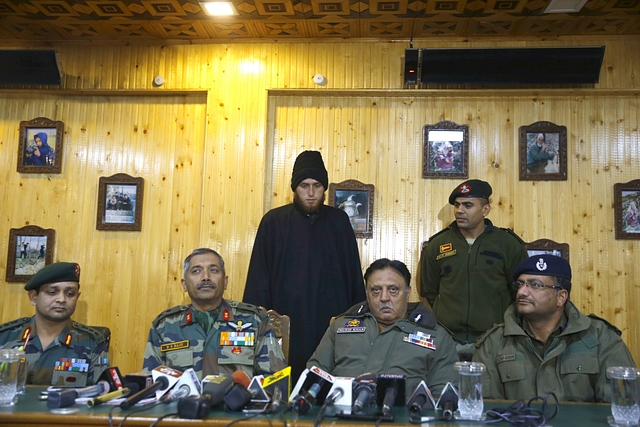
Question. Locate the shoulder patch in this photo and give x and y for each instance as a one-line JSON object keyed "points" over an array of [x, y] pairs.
{"points": [[243, 306], [606, 322], [484, 336], [438, 233], [169, 312], [513, 233], [98, 334], [14, 323]]}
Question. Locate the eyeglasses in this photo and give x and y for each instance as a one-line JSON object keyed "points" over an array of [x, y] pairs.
{"points": [[533, 285]]}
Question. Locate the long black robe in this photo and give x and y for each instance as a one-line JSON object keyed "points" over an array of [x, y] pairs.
{"points": [[308, 267]]}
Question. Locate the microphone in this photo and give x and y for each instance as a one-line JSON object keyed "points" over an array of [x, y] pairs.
{"points": [[107, 397], [214, 388], [421, 399], [161, 384], [313, 386], [188, 385], [336, 394], [238, 396], [112, 376], [275, 399], [280, 380], [391, 391], [448, 401], [364, 387], [61, 399]]}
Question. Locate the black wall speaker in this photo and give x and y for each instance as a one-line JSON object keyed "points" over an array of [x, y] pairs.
{"points": [[533, 65], [29, 67], [411, 63]]}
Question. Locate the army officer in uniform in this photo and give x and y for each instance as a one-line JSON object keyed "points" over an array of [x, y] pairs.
{"points": [[387, 334], [212, 335], [50, 337]]}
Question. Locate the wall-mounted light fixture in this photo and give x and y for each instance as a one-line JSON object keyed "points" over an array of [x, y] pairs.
{"points": [[218, 8]]}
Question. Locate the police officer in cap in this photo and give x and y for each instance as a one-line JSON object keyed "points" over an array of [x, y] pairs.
{"points": [[50, 338], [466, 269], [545, 344]]}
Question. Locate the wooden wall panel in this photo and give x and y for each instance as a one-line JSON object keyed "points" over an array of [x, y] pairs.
{"points": [[214, 163]]}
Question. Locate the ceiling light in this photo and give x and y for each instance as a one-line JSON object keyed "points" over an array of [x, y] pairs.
{"points": [[565, 6], [219, 8]]}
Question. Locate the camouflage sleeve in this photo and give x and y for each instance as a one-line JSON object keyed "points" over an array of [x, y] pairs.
{"points": [[268, 356], [99, 361], [152, 355]]}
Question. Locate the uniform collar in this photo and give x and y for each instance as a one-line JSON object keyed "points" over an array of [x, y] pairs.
{"points": [[417, 313], [575, 321], [224, 314]]}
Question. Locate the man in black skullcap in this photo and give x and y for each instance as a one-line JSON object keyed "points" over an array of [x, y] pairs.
{"points": [[50, 338], [545, 344], [465, 271], [305, 261]]}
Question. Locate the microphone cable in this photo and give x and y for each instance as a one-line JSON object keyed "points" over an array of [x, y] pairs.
{"points": [[517, 414], [143, 408], [155, 423]]}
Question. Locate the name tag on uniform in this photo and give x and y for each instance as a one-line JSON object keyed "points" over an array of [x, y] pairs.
{"points": [[352, 327], [238, 338], [421, 339], [174, 346]]}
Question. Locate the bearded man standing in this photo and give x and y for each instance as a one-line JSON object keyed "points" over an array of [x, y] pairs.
{"points": [[305, 261]]}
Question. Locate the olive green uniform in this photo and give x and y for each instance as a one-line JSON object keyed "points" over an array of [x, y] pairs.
{"points": [[77, 341], [239, 336], [572, 363], [415, 346], [469, 288]]}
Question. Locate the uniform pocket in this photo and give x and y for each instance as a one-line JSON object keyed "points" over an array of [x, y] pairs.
{"points": [[511, 368], [180, 358]]}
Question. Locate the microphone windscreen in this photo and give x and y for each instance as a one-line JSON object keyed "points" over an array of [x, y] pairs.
{"points": [[241, 377], [215, 387], [112, 376]]}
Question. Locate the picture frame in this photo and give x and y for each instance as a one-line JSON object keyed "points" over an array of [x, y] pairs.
{"points": [[41, 146], [356, 200], [626, 203], [445, 150], [547, 246], [30, 249], [543, 152], [120, 202]]}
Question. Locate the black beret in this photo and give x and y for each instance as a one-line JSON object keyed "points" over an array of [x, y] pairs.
{"points": [[54, 273], [544, 265], [309, 164], [471, 188]]}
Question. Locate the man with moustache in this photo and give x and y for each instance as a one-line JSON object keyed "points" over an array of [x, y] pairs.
{"points": [[387, 334], [50, 337], [466, 268], [305, 261], [545, 344], [212, 335]]}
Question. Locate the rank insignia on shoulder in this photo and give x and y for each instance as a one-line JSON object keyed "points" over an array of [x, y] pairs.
{"points": [[421, 339], [67, 340], [189, 317], [447, 247], [178, 345], [446, 251], [226, 315], [353, 326]]}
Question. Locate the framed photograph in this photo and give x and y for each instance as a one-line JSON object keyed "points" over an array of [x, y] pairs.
{"points": [[356, 199], [546, 246], [626, 202], [543, 152], [120, 203], [445, 151], [40, 147], [30, 249]]}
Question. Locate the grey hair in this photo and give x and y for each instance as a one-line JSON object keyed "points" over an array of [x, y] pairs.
{"points": [[201, 251]]}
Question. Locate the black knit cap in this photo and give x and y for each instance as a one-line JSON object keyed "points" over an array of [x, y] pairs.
{"points": [[54, 273], [544, 265], [471, 188], [309, 164]]}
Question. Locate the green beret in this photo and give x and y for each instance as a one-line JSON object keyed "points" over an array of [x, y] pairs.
{"points": [[471, 188], [54, 273]]}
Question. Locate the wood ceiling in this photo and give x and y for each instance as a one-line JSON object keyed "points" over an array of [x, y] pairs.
{"points": [[185, 21]]}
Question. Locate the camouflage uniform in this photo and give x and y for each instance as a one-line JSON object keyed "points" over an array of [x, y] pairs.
{"points": [[77, 341], [241, 338]]}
